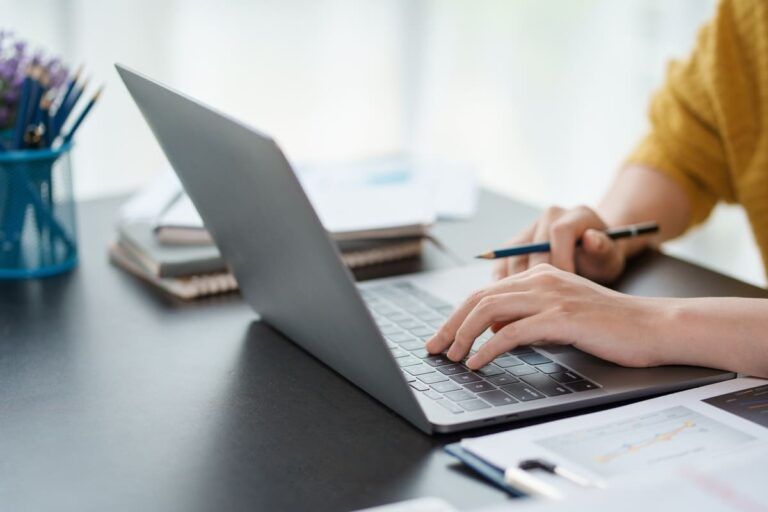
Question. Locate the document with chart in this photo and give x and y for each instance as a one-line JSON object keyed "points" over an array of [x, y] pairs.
{"points": [[654, 435]]}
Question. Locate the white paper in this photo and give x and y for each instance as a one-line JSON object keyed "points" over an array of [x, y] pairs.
{"points": [[642, 438], [733, 483], [348, 197]]}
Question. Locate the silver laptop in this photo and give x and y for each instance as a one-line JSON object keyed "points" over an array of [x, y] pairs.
{"points": [[373, 333]]}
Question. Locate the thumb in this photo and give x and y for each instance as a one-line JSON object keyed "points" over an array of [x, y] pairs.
{"points": [[598, 244]]}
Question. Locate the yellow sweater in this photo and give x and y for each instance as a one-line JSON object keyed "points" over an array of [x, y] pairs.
{"points": [[709, 122]]}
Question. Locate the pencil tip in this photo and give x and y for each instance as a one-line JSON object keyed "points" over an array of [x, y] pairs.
{"points": [[484, 256]]}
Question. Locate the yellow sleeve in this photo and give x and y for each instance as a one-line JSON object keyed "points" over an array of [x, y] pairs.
{"points": [[685, 140]]}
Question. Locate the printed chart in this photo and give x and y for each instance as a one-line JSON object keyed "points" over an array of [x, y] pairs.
{"points": [[642, 442]]}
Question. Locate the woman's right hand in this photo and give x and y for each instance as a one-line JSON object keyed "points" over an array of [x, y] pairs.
{"points": [[599, 258]]}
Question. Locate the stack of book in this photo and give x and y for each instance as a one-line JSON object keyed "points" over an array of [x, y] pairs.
{"points": [[162, 240]]}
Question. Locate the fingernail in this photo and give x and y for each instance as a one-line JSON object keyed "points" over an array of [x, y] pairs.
{"points": [[471, 362]]}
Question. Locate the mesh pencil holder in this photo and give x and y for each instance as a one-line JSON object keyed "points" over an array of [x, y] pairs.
{"points": [[37, 213]]}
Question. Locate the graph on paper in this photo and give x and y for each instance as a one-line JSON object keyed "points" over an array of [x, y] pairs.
{"points": [[639, 443]]}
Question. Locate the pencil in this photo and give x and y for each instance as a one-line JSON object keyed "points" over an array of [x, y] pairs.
{"points": [[83, 114], [645, 228], [57, 120]]}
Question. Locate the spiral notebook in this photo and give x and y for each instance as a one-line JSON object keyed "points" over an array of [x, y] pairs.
{"points": [[189, 272]]}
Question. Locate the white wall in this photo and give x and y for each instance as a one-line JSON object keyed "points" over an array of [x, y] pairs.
{"points": [[543, 97]]}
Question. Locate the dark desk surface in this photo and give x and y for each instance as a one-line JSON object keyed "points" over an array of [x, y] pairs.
{"points": [[115, 397]]}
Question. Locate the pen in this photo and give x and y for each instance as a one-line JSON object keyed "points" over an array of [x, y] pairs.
{"points": [[645, 228]]}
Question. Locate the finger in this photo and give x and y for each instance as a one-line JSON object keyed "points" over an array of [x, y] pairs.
{"points": [[600, 258], [491, 309], [520, 333], [598, 244], [507, 266], [446, 334], [517, 264], [541, 234], [565, 231]]}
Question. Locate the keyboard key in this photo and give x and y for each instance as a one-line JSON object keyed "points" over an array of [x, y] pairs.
{"points": [[422, 331], [582, 385], [520, 350], [391, 345], [459, 395], [434, 395], [546, 385], [409, 378], [522, 392], [396, 316], [506, 362], [454, 408], [420, 369], [419, 386], [409, 324], [464, 378], [399, 353], [474, 405], [477, 387], [502, 380], [490, 370], [550, 368], [431, 378], [452, 369], [422, 313], [421, 353], [407, 361], [438, 360], [412, 345], [519, 371], [389, 329], [445, 310], [566, 376], [399, 337], [446, 386], [534, 358], [497, 398]]}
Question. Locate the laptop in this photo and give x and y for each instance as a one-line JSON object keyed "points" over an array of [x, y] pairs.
{"points": [[372, 333]]}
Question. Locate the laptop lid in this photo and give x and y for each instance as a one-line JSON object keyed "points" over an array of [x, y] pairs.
{"points": [[288, 269]]}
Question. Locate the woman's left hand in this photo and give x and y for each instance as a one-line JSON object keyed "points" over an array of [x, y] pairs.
{"points": [[547, 305]]}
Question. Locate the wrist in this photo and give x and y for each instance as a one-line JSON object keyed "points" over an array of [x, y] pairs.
{"points": [[661, 322]]}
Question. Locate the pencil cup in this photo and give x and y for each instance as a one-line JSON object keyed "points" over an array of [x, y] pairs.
{"points": [[37, 213]]}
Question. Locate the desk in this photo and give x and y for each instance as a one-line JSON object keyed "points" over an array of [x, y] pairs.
{"points": [[114, 397]]}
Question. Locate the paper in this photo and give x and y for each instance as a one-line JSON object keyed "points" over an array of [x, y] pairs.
{"points": [[619, 444], [348, 197], [735, 482], [448, 190], [150, 202]]}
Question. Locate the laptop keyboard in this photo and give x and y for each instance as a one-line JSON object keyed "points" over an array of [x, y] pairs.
{"points": [[408, 316]]}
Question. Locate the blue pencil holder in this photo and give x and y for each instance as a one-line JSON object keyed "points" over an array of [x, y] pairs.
{"points": [[37, 213]]}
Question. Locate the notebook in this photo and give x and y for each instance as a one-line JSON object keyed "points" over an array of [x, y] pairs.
{"points": [[348, 213], [193, 271]]}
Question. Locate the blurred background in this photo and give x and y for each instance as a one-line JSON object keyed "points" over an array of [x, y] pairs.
{"points": [[542, 98]]}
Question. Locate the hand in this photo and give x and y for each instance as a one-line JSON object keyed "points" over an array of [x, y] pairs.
{"points": [[599, 258], [548, 305]]}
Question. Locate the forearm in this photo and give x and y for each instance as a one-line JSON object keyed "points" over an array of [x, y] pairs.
{"points": [[640, 194], [725, 333]]}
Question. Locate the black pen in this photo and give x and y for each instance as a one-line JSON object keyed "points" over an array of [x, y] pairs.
{"points": [[645, 228]]}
